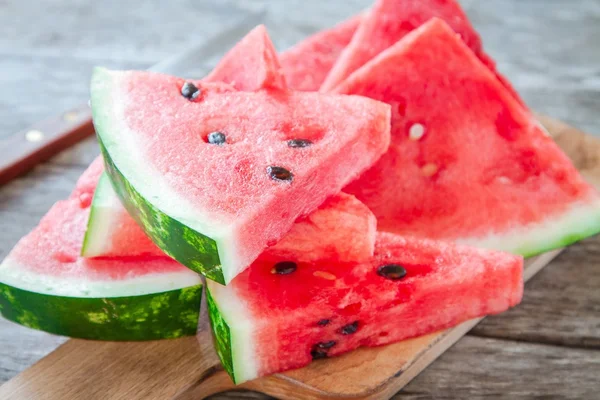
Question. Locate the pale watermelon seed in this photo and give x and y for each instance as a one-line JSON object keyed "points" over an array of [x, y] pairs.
{"points": [[392, 272], [189, 91], [299, 143], [217, 138], [284, 268], [416, 132], [280, 174], [429, 169], [324, 275], [504, 180]]}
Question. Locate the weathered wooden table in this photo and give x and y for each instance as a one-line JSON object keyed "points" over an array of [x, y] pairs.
{"points": [[547, 347]]}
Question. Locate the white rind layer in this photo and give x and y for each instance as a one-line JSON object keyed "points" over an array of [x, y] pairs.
{"points": [[233, 308], [106, 214], [123, 145], [578, 221], [18, 276]]}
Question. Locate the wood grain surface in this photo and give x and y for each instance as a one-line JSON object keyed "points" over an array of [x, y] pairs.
{"points": [[549, 50], [188, 369]]}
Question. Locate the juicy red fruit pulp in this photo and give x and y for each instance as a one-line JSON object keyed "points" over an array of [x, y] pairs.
{"points": [[466, 159], [409, 288]]}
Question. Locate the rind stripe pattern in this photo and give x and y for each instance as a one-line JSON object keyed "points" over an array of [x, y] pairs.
{"points": [[165, 315], [191, 248], [222, 335]]}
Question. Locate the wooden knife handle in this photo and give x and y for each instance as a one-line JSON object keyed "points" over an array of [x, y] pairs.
{"points": [[21, 152]]}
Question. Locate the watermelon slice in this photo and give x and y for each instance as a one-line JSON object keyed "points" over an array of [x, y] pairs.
{"points": [[307, 64], [467, 162], [272, 319], [251, 64], [342, 228], [389, 21], [45, 285], [214, 176]]}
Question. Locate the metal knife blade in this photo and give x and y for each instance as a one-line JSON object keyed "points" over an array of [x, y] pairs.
{"points": [[22, 151]]}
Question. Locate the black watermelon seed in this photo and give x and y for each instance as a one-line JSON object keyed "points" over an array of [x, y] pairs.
{"points": [[325, 345], [349, 329], [318, 354], [323, 322], [280, 174], [284, 267], [299, 143], [189, 91], [217, 137], [393, 272]]}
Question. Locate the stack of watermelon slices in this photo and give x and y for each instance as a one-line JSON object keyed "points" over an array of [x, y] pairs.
{"points": [[239, 177]]}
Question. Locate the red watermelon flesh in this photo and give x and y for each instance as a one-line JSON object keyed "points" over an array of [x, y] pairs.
{"points": [[467, 162], [86, 184], [389, 21], [252, 64], [267, 322], [61, 231], [62, 256], [307, 64], [342, 228], [228, 201]]}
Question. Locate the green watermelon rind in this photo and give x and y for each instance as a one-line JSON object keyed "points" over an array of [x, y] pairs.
{"points": [[233, 331], [186, 245], [580, 221], [165, 315], [192, 249], [564, 241], [221, 334]]}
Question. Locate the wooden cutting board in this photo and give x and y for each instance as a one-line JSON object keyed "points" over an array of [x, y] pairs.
{"points": [[189, 368]]}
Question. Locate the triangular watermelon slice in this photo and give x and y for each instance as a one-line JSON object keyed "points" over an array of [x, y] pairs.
{"points": [[276, 317], [250, 65], [307, 64], [45, 285], [389, 21], [214, 176], [342, 228], [467, 162]]}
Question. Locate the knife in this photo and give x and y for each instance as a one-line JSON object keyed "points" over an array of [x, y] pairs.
{"points": [[22, 151]]}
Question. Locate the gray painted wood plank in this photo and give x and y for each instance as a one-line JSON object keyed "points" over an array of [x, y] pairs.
{"points": [[478, 368], [561, 305], [549, 49]]}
